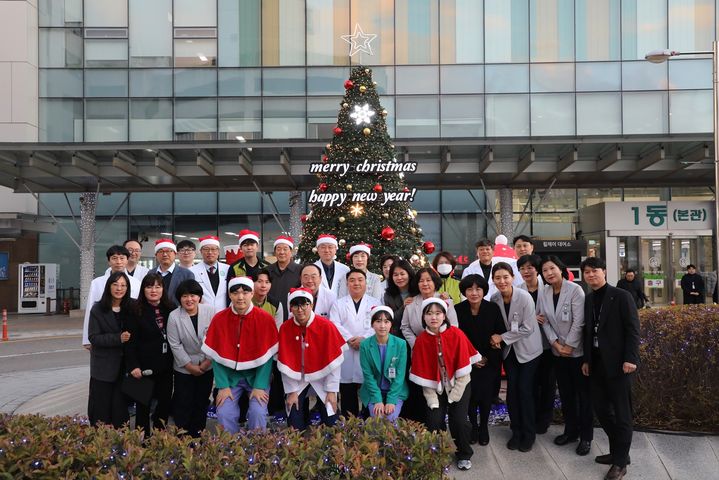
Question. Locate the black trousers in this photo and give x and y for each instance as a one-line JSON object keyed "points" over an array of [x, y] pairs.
{"points": [[693, 299], [415, 407], [520, 397], [190, 400], [106, 403], [349, 401], [612, 400], [482, 394], [459, 426], [162, 395], [575, 392], [545, 389], [277, 395], [299, 419]]}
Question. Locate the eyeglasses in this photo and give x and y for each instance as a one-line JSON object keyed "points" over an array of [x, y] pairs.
{"points": [[300, 306], [165, 251], [134, 250], [208, 249], [186, 250]]}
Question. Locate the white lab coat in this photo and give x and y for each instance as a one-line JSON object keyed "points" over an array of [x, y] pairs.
{"points": [[353, 323], [96, 288], [325, 300], [340, 273], [217, 301], [374, 287], [474, 267]]}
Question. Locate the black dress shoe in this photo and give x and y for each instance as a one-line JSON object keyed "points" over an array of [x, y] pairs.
{"points": [[606, 459], [513, 443], [541, 429], [474, 437], [584, 447], [483, 436], [526, 445], [564, 439], [615, 473]]}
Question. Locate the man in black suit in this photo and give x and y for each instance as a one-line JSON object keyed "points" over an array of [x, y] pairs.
{"points": [[611, 356], [172, 274]]}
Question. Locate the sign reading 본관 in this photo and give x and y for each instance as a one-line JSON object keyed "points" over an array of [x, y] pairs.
{"points": [[659, 215]]}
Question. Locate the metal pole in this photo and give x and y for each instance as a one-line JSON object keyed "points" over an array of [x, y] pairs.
{"points": [[715, 91]]}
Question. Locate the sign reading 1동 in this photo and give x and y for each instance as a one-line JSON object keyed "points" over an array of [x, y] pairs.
{"points": [[660, 215]]}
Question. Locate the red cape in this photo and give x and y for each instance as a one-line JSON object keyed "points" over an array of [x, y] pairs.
{"points": [[241, 342], [459, 355], [323, 351]]}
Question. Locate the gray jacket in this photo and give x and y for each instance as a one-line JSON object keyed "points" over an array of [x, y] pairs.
{"points": [[566, 323], [106, 353], [526, 340], [184, 342]]}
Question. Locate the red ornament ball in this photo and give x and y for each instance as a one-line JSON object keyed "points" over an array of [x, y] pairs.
{"points": [[324, 158], [348, 257], [428, 247], [337, 130], [377, 188], [388, 233], [303, 218], [406, 189], [323, 186], [349, 84]]}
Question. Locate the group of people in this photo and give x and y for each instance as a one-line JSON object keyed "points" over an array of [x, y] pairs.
{"points": [[419, 344]]}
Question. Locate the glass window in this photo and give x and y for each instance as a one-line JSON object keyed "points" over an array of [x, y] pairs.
{"points": [[195, 13], [327, 21], [238, 33], [196, 82], [506, 78], [376, 17], [196, 119], [230, 225], [597, 29], [426, 201], [151, 203], [60, 47], [246, 82], [644, 194], [195, 52], [461, 36], [388, 104], [598, 76], [150, 33], [644, 27], [507, 115], [283, 81], [106, 83], [690, 74], [192, 227], [283, 32], [416, 23], [506, 26], [151, 83], [552, 114], [690, 111], [644, 76], [645, 112], [106, 120], [60, 204], [284, 118], [240, 202], [60, 83], [552, 77], [322, 116], [203, 203], [592, 196], [417, 80], [554, 225], [240, 118], [61, 120], [692, 193], [105, 53], [59, 248], [105, 13], [461, 78], [60, 13], [384, 76], [599, 114], [463, 201], [691, 25], [462, 116], [552, 30], [417, 117], [150, 120], [326, 81], [555, 200]]}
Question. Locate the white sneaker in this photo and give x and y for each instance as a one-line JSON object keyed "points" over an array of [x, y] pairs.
{"points": [[464, 464]]}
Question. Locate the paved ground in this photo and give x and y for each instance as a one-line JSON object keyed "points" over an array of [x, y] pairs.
{"points": [[61, 389]]}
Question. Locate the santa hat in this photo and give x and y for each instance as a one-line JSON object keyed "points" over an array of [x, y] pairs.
{"points": [[300, 293], [165, 243], [326, 238], [246, 281], [381, 308], [502, 251], [361, 247], [248, 235], [429, 301], [209, 240], [286, 240]]}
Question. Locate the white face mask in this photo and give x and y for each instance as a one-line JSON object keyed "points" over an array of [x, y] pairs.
{"points": [[444, 268]]}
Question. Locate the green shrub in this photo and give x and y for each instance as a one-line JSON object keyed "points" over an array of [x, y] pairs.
{"points": [[36, 447], [677, 383]]}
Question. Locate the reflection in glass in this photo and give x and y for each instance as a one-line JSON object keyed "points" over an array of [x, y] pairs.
{"points": [[461, 78], [284, 118], [283, 32], [597, 29], [199, 203], [506, 78], [416, 35], [61, 120], [195, 13], [506, 26], [326, 81], [327, 21], [238, 33], [106, 120], [60, 83], [105, 53], [246, 82], [598, 76], [195, 119], [240, 118], [283, 81], [690, 111], [60, 47], [691, 25], [150, 33], [552, 77], [507, 115], [60, 13], [196, 82], [552, 30], [644, 76], [461, 36], [645, 112], [240, 202], [417, 80], [417, 117], [599, 114], [462, 116], [195, 52], [150, 120], [690, 74], [106, 83], [151, 83], [321, 116], [552, 114], [375, 17], [105, 13], [592, 196], [644, 27]]}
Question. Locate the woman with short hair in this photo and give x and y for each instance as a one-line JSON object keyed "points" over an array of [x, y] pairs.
{"points": [[444, 263]]}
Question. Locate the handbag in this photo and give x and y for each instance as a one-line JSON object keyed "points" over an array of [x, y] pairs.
{"points": [[138, 389]]}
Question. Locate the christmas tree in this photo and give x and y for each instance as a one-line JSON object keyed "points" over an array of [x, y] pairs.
{"points": [[362, 195]]}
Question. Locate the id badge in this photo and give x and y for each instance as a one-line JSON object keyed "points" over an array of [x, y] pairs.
{"points": [[565, 313], [164, 347], [515, 326], [391, 373]]}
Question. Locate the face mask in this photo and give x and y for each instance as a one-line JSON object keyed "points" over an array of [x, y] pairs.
{"points": [[444, 268]]}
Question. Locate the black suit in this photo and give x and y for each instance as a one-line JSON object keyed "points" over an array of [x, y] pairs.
{"points": [[616, 324]]}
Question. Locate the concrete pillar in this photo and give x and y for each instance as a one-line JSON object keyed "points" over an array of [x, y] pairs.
{"points": [[506, 214], [88, 206], [297, 209]]}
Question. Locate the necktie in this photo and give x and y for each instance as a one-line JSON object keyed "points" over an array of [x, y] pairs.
{"points": [[212, 270]]}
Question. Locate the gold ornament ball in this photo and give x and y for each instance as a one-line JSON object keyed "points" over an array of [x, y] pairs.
{"points": [[385, 215], [419, 230], [349, 186], [374, 83], [384, 113], [314, 249], [418, 251], [341, 219], [345, 105], [366, 131], [342, 241], [413, 230], [362, 89], [329, 146], [356, 149], [366, 70], [414, 213]]}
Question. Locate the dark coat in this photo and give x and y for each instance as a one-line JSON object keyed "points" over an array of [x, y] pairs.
{"points": [[635, 290], [144, 350], [480, 330], [106, 354]]}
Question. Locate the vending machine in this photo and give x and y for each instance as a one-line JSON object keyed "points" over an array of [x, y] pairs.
{"points": [[37, 287]]}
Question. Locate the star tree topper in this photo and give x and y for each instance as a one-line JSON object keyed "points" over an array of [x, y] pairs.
{"points": [[359, 41]]}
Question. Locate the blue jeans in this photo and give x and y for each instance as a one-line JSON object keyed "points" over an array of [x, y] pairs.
{"points": [[392, 417], [228, 414], [300, 418]]}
